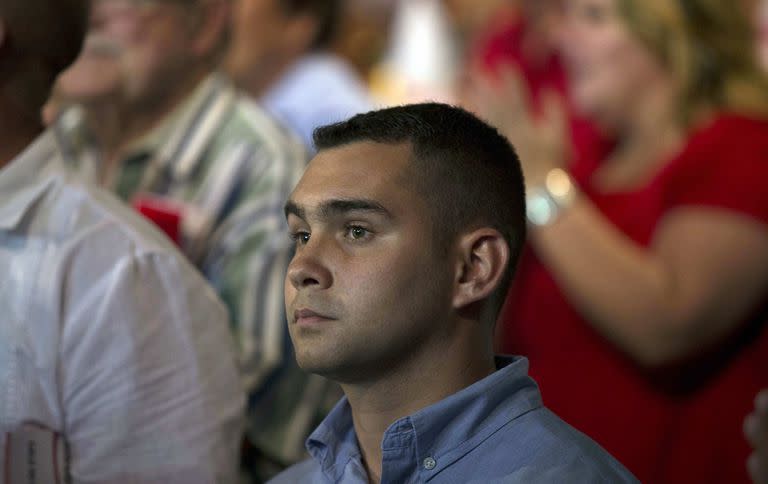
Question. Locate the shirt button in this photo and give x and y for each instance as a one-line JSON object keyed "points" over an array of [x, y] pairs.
{"points": [[429, 463]]}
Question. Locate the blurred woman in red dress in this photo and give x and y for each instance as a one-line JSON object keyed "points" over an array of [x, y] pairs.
{"points": [[642, 302]]}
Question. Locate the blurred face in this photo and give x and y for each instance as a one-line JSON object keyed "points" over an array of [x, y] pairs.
{"points": [[135, 48], [608, 67], [365, 290], [258, 30]]}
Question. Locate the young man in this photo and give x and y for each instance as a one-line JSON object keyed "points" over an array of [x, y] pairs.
{"points": [[116, 363], [408, 224]]}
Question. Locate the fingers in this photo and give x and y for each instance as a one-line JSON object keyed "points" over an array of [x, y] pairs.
{"points": [[761, 401], [756, 432], [514, 90], [504, 101], [757, 466], [752, 430], [554, 113], [756, 423], [482, 100]]}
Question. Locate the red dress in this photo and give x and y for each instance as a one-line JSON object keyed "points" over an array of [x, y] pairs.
{"points": [[681, 423]]}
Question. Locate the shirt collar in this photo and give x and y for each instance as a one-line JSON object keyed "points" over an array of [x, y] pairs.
{"points": [[182, 116], [179, 137], [22, 181], [334, 442], [442, 429]]}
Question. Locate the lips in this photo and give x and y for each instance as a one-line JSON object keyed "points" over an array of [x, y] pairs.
{"points": [[310, 317]]}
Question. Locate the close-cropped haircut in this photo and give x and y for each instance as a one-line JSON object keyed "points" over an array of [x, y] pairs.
{"points": [[326, 12], [467, 173]]}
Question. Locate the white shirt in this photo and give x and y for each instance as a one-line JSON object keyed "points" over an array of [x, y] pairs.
{"points": [[109, 340]]}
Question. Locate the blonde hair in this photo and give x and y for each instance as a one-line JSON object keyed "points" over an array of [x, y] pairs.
{"points": [[709, 46]]}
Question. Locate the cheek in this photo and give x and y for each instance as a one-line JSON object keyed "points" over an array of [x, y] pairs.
{"points": [[89, 78], [289, 292], [403, 287], [135, 67], [609, 73], [149, 60]]}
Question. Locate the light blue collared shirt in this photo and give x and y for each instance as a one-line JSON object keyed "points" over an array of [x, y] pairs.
{"points": [[496, 430]]}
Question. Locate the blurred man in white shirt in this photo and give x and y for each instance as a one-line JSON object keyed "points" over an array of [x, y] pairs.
{"points": [[116, 362]]}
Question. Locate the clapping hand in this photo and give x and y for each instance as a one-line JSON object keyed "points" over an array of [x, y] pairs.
{"points": [[756, 431], [539, 136]]}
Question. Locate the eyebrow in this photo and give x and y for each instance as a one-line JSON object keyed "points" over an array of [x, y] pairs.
{"points": [[337, 207]]}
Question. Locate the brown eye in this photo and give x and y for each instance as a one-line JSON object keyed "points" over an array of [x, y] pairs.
{"points": [[355, 232], [300, 238]]}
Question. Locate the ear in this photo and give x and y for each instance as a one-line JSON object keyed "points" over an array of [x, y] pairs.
{"points": [[209, 25], [481, 263]]}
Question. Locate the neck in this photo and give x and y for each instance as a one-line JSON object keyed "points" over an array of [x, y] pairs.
{"points": [[257, 80], [423, 380], [128, 123], [653, 126], [19, 131], [103, 119]]}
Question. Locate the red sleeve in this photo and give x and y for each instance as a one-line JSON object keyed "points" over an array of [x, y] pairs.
{"points": [[724, 165]]}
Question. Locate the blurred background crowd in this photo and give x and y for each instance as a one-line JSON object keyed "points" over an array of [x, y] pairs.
{"points": [[642, 307]]}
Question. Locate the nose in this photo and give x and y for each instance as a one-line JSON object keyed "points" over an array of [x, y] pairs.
{"points": [[309, 268]]}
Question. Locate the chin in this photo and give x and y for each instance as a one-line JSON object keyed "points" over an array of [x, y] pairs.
{"points": [[318, 364], [334, 367]]}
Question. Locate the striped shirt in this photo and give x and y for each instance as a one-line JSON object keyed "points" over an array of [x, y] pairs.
{"points": [[230, 168]]}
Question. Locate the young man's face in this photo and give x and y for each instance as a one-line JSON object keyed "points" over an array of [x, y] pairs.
{"points": [[366, 291]]}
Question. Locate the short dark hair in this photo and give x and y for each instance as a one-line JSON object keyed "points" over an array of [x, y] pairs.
{"points": [[468, 173], [326, 12]]}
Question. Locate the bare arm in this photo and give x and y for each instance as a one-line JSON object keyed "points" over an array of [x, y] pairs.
{"points": [[705, 269]]}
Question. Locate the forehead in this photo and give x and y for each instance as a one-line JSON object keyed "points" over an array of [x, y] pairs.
{"points": [[364, 170]]}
